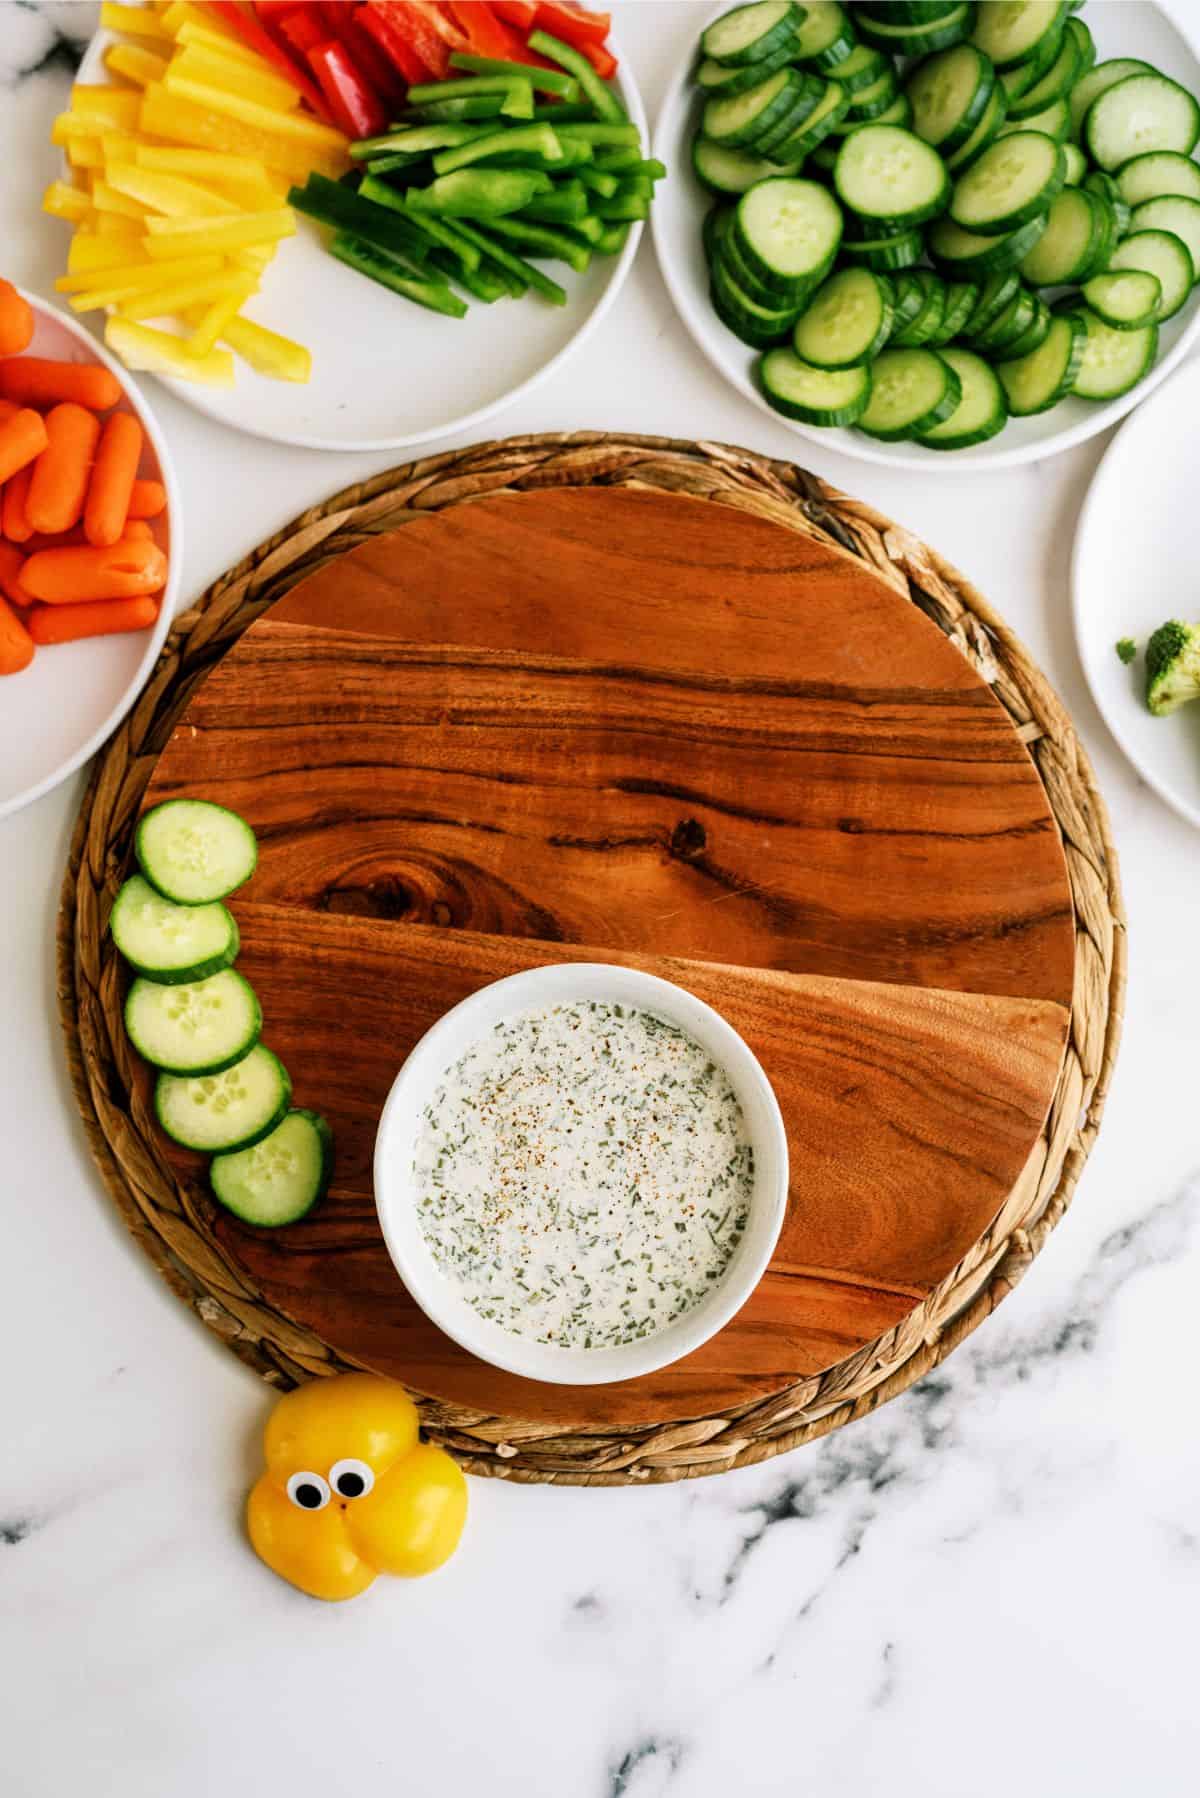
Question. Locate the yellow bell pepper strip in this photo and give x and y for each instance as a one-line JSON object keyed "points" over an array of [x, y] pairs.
{"points": [[169, 194], [127, 231], [63, 202], [168, 238], [234, 77], [90, 251], [112, 108], [174, 296], [204, 165], [118, 146], [294, 127], [85, 152], [267, 351], [107, 199], [134, 63], [130, 278], [350, 1491], [217, 314], [185, 12], [211, 35], [182, 121], [141, 347], [138, 21]]}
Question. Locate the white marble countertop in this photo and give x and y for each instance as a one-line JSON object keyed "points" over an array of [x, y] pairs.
{"points": [[990, 1585]]}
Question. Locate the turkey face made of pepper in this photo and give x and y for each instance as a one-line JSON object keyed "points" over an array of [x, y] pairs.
{"points": [[350, 1490]]}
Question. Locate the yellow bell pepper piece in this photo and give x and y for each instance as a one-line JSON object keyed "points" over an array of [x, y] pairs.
{"points": [[181, 121], [89, 252], [112, 108], [210, 35], [206, 165], [119, 146], [85, 153], [168, 238], [184, 12], [234, 77], [123, 281], [63, 202], [350, 1491], [173, 297], [128, 230], [217, 314], [141, 347], [169, 194], [138, 21], [258, 257], [134, 63], [107, 199], [268, 352], [294, 127]]}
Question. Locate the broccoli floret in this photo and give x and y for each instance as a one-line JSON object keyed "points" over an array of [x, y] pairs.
{"points": [[1126, 649], [1172, 667]]}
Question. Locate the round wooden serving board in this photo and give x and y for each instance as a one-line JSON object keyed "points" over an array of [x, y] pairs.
{"points": [[622, 722]]}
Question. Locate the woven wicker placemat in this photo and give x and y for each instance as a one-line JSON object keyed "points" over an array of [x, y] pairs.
{"points": [[170, 1219]]}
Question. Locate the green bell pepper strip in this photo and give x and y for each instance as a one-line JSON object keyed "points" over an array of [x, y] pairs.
{"points": [[567, 203], [540, 240], [608, 132], [486, 284], [600, 95], [598, 182], [613, 240], [438, 233], [545, 81], [563, 114], [533, 140], [409, 140], [625, 208], [479, 193], [517, 94], [332, 204], [533, 277], [368, 259]]}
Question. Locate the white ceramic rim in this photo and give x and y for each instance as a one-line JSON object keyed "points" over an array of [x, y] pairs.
{"points": [[436, 1052], [166, 610], [1108, 469], [91, 68], [851, 443]]}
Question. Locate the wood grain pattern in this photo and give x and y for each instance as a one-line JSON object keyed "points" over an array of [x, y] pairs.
{"points": [[655, 727]]}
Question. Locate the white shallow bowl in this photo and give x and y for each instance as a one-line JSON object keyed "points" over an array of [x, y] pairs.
{"points": [[60, 709], [1135, 566], [1133, 28], [388, 374], [399, 1126]]}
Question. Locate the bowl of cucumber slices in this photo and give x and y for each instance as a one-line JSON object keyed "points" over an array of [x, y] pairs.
{"points": [[930, 232]]}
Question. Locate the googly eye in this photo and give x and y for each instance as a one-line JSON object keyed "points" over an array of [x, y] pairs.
{"points": [[308, 1491], [351, 1478]]}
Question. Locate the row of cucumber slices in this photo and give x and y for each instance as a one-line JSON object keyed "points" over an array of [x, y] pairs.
{"points": [[193, 1017], [962, 160]]}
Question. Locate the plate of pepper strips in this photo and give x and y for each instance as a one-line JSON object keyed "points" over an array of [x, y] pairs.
{"points": [[355, 225]]}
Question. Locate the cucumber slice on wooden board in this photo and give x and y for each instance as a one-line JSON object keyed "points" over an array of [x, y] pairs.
{"points": [[1018, 29], [911, 391], [193, 851], [1156, 174], [815, 396], [847, 322], [1162, 254], [1112, 361], [949, 93], [281, 1178], [1097, 81], [170, 943], [214, 1112], [1126, 299], [750, 33], [887, 173], [1137, 115], [982, 410], [727, 171], [1174, 213], [1013, 181], [202, 1027], [1034, 382]]}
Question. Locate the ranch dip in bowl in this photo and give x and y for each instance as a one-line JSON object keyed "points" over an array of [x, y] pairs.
{"points": [[581, 1173]]}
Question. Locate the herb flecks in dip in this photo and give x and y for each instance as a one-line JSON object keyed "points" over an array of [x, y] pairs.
{"points": [[583, 1174]]}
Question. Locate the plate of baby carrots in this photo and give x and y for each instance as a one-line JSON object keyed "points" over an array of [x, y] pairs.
{"points": [[89, 546]]}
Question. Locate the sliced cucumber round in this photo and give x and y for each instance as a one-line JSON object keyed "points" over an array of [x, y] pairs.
{"points": [[861, 70], [230, 1110], [899, 249], [847, 322], [887, 173], [949, 94], [750, 33], [202, 1027], [1018, 30], [727, 171], [1162, 254], [279, 1179], [1140, 114], [1113, 361], [1157, 173], [716, 78], [825, 117], [1035, 336], [1013, 181], [1077, 165], [962, 253], [1097, 81], [744, 315], [928, 322], [911, 391], [1105, 188], [816, 396], [996, 292], [1086, 45], [1067, 248], [871, 102], [1053, 121], [908, 297], [1125, 299], [825, 36], [1055, 84], [746, 118], [173, 944], [193, 851], [981, 412], [788, 230], [897, 112], [987, 130], [807, 94], [917, 39], [1174, 213], [1036, 381], [962, 297], [1008, 328]]}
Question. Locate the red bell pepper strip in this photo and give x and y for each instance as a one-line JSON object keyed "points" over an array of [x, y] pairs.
{"points": [[302, 29], [396, 48], [424, 30], [354, 103], [573, 24], [601, 59], [342, 22], [486, 34], [520, 13], [273, 12], [252, 33]]}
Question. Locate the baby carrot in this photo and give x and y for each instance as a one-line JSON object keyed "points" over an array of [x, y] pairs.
{"points": [[7, 411], [147, 500], [16, 644], [93, 618], [137, 531], [64, 577], [60, 479], [22, 437], [11, 563], [14, 522], [111, 485], [36, 381], [16, 321]]}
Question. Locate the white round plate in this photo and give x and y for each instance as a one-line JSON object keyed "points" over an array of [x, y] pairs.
{"points": [[1133, 28], [58, 711], [388, 374], [1134, 567]]}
